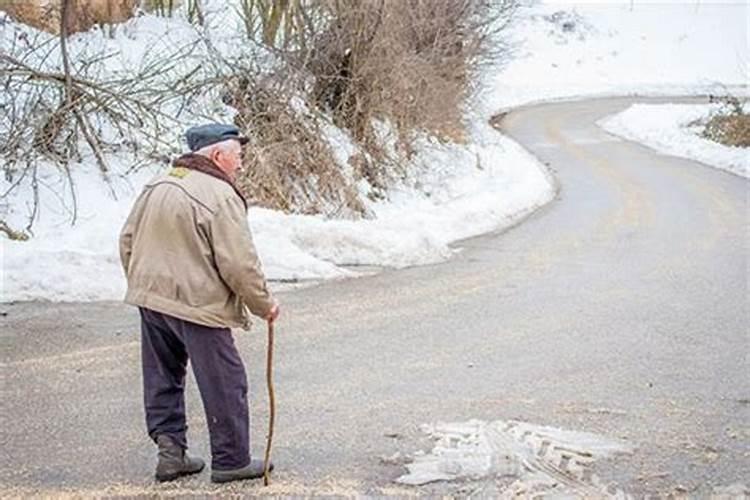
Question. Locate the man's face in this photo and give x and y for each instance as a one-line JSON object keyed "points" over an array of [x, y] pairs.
{"points": [[229, 157]]}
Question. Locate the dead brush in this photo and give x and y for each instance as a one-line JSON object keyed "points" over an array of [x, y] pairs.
{"points": [[289, 165], [407, 63], [58, 111], [731, 126], [731, 130], [81, 14], [388, 71]]}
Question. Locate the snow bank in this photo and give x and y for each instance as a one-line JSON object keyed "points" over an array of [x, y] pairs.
{"points": [[563, 49], [568, 49], [673, 129], [462, 191]]}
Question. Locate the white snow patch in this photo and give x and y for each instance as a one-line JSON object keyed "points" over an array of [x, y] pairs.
{"points": [[565, 49], [455, 199], [542, 460], [673, 129], [570, 49]]}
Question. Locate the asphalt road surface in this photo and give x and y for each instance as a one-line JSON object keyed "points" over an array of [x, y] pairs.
{"points": [[620, 308]]}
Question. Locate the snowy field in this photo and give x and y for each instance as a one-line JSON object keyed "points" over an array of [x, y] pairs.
{"points": [[674, 129], [570, 49], [457, 191]]}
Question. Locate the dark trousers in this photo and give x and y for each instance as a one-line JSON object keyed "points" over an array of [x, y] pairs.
{"points": [[166, 345]]}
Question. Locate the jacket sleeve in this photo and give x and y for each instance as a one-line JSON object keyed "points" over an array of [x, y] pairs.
{"points": [[126, 241], [237, 259], [128, 232]]}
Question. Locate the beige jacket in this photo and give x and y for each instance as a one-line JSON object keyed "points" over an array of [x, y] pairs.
{"points": [[187, 251]]}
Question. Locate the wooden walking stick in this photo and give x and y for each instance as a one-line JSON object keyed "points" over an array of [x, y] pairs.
{"points": [[271, 400]]}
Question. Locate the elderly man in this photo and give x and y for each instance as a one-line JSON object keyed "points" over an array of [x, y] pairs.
{"points": [[192, 269]]}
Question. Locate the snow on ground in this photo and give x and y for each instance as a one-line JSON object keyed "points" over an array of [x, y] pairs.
{"points": [[532, 460], [464, 191], [567, 49], [563, 49], [512, 459], [674, 129]]}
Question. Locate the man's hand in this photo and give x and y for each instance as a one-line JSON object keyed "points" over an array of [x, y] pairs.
{"points": [[274, 313]]}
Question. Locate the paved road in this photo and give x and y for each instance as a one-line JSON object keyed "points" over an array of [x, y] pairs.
{"points": [[621, 308]]}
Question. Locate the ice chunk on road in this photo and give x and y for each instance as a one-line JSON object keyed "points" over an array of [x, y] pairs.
{"points": [[475, 450]]}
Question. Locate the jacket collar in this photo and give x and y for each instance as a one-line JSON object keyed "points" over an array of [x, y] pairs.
{"points": [[200, 163]]}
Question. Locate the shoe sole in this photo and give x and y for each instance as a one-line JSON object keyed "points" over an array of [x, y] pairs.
{"points": [[176, 475], [230, 479], [243, 478]]}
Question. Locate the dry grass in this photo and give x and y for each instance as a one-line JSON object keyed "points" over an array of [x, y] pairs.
{"points": [[731, 124], [404, 66], [290, 165], [730, 130], [409, 63], [84, 14]]}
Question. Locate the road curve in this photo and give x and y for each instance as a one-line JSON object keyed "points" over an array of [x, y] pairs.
{"points": [[620, 308]]}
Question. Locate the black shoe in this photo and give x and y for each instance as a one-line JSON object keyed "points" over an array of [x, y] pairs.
{"points": [[174, 461], [253, 470]]}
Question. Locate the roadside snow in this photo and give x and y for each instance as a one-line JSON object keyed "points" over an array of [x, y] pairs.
{"points": [[673, 129], [463, 191], [563, 49], [570, 49]]}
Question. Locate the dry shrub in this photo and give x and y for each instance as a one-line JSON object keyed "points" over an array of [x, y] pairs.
{"points": [[290, 165], [54, 111], [409, 63], [373, 66], [161, 7], [84, 14], [278, 23], [731, 130], [385, 70], [731, 126]]}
